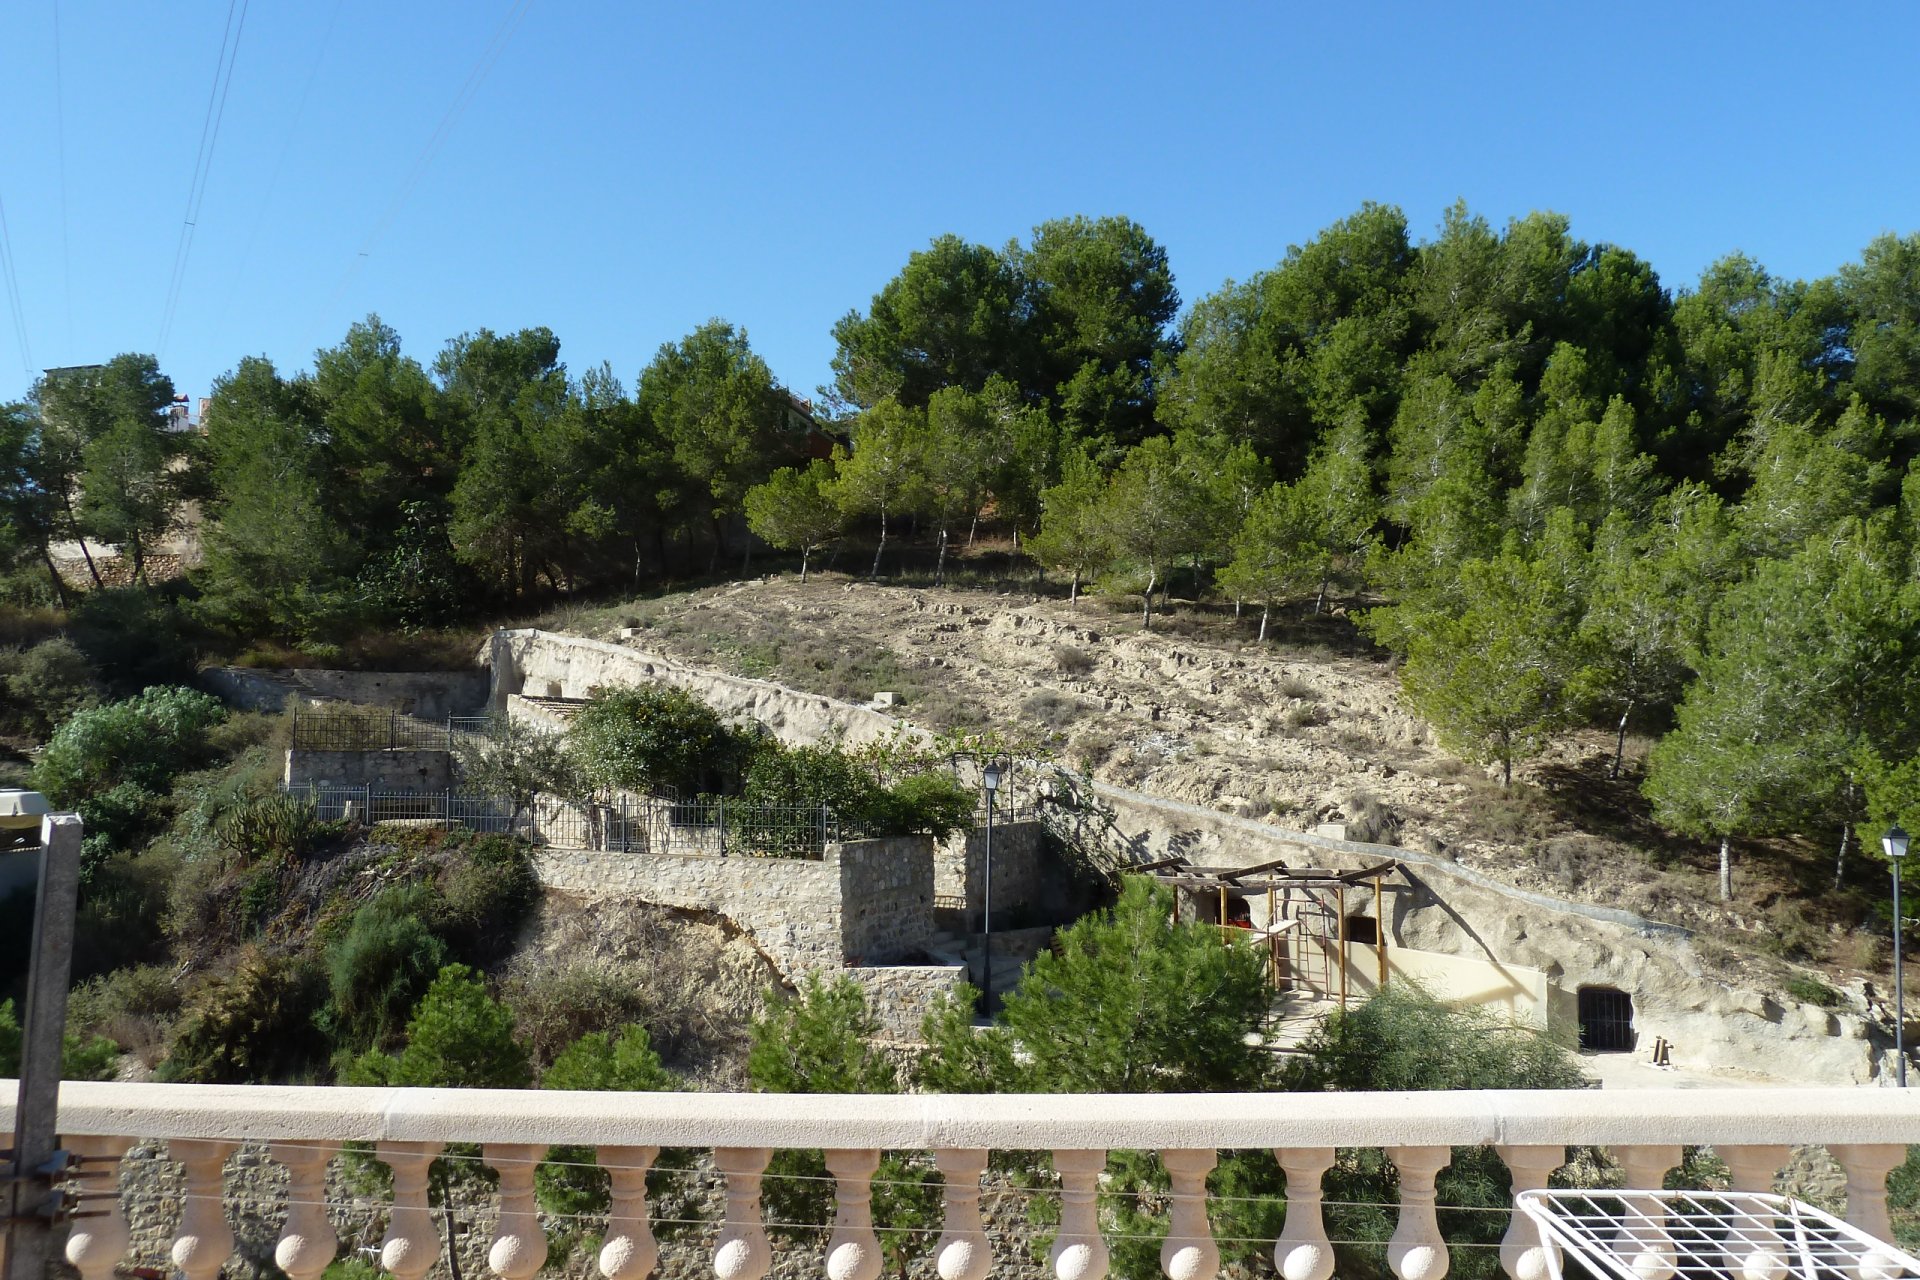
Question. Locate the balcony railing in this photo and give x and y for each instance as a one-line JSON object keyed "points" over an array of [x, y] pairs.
{"points": [[1752, 1130]]}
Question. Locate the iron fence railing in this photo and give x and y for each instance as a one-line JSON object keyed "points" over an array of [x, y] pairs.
{"points": [[718, 826], [364, 729]]}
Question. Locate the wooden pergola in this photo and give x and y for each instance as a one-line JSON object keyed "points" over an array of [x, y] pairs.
{"points": [[1306, 913]]}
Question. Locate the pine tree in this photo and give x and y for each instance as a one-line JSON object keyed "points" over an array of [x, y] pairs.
{"points": [[797, 509], [1072, 536]]}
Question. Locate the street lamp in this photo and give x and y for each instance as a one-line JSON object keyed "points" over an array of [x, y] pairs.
{"points": [[1895, 845]]}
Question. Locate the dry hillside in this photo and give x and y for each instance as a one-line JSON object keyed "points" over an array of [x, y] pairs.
{"points": [[1304, 729]]}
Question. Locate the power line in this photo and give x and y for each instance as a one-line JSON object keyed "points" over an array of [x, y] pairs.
{"points": [[60, 143], [286, 146], [502, 36], [203, 160], [13, 293]]}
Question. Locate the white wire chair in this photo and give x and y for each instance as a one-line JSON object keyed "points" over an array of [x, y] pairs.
{"points": [[1704, 1235]]}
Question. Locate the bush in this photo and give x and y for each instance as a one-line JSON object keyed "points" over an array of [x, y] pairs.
{"points": [[136, 636], [81, 1057], [809, 777], [253, 1026], [459, 1038], [134, 1007], [269, 826], [379, 967], [1808, 989], [487, 894], [49, 683], [935, 802], [560, 1007], [111, 762], [1072, 661], [601, 1061], [636, 739]]}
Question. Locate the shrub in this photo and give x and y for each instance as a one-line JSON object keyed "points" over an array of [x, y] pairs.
{"points": [[655, 737], [81, 1057], [252, 1026], [934, 802], [487, 893], [459, 1037], [1072, 661], [557, 1008], [142, 742], [606, 1062], [1295, 687], [378, 968], [136, 636], [49, 683], [1810, 990], [269, 826], [134, 1007], [809, 777]]}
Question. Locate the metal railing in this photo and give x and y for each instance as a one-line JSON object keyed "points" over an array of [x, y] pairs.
{"points": [[364, 729]]}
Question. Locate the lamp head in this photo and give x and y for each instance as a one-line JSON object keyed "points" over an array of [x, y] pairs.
{"points": [[1894, 843], [990, 776]]}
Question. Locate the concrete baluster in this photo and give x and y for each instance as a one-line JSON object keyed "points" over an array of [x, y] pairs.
{"points": [[1417, 1251], [1078, 1252], [630, 1250], [1303, 1252], [95, 1245], [1755, 1250], [962, 1252], [519, 1247], [1644, 1241], [853, 1250], [307, 1243], [1189, 1253], [741, 1252], [1867, 1165], [411, 1244], [205, 1240], [1523, 1254]]}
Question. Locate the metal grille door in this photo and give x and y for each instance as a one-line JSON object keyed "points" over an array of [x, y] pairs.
{"points": [[1606, 1020]]}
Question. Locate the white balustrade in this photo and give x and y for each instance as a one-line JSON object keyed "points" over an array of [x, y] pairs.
{"points": [[1416, 1250], [629, 1250], [1644, 1240], [1754, 1131], [1303, 1252], [1523, 1255], [307, 1243], [1078, 1252], [742, 1252], [963, 1251]]}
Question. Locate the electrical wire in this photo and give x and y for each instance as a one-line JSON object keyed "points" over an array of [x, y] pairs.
{"points": [[60, 145], [462, 99], [203, 160], [286, 148], [14, 306]]}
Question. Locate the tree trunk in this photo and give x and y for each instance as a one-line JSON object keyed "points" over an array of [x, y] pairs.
{"points": [[139, 558], [1237, 602], [879, 550], [1073, 592], [1726, 871], [804, 553], [1265, 609], [1620, 741], [974, 528], [1146, 602], [53, 571], [73, 523], [1840, 863], [1320, 601], [940, 563], [1506, 769], [746, 557]]}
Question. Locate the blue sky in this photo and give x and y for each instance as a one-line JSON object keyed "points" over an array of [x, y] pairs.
{"points": [[628, 170]]}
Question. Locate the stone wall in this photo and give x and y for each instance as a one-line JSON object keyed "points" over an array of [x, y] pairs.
{"points": [[543, 664], [426, 695], [901, 996], [886, 898], [866, 900], [398, 770], [1030, 885]]}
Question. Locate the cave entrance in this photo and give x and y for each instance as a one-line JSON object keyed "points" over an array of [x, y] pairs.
{"points": [[1606, 1020]]}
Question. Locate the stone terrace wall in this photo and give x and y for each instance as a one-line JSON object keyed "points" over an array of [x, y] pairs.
{"points": [[886, 896], [544, 664], [900, 996], [399, 770], [425, 695], [867, 899]]}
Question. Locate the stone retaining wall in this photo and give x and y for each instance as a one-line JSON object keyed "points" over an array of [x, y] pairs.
{"points": [[900, 996], [425, 695], [398, 770]]}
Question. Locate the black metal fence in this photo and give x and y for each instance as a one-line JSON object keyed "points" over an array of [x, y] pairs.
{"points": [[727, 828], [365, 729]]}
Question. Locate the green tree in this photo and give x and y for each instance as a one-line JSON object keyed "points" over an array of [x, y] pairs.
{"points": [[1073, 535], [1274, 555], [31, 489], [81, 1057], [886, 473], [1155, 510], [569, 1183], [1337, 502], [716, 406], [518, 762], [458, 1038], [1491, 675], [797, 509], [654, 736]]}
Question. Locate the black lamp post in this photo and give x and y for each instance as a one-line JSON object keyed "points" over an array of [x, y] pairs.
{"points": [[1895, 845]]}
